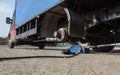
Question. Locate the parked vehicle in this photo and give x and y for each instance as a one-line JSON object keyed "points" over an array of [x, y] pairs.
{"points": [[39, 22]]}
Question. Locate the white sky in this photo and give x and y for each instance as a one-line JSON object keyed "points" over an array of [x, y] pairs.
{"points": [[6, 10]]}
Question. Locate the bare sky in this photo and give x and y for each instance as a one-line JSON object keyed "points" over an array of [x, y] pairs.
{"points": [[6, 10]]}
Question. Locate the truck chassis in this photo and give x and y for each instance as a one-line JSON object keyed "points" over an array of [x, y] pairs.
{"points": [[93, 22]]}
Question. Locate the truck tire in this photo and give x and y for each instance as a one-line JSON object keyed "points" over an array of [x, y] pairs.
{"points": [[10, 44], [41, 46], [104, 49]]}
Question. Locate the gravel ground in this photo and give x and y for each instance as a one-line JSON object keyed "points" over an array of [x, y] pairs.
{"points": [[32, 61]]}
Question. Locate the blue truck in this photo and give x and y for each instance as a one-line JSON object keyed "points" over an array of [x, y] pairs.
{"points": [[41, 22]]}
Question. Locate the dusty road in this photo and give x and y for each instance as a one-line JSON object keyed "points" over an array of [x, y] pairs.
{"points": [[32, 61]]}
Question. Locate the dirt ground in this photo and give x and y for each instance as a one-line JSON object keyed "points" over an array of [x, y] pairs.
{"points": [[32, 61]]}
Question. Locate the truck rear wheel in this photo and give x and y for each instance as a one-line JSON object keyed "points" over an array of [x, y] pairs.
{"points": [[101, 35], [41, 46], [104, 49], [10, 44]]}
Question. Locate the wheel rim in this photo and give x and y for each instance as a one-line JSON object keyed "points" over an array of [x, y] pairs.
{"points": [[61, 35]]}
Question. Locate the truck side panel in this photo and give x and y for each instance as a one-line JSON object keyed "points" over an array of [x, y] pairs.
{"points": [[28, 9]]}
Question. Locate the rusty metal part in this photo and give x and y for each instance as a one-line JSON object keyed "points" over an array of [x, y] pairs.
{"points": [[61, 35]]}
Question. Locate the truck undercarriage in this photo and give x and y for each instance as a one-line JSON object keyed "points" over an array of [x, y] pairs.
{"points": [[88, 21]]}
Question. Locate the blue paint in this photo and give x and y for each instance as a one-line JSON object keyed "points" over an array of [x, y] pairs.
{"points": [[75, 49], [28, 9]]}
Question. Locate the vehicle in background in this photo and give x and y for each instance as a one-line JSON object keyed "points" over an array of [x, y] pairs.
{"points": [[40, 22]]}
